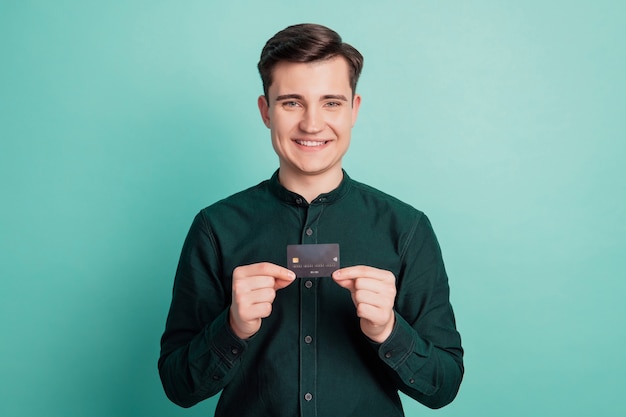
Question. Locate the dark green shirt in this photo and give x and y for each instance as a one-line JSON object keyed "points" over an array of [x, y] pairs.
{"points": [[310, 357]]}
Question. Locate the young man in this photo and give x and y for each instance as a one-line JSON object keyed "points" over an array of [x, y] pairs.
{"points": [[240, 322]]}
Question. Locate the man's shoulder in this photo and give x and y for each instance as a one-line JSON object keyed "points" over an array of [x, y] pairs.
{"points": [[384, 200]]}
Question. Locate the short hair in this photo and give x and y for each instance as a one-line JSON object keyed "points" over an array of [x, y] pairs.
{"points": [[306, 43]]}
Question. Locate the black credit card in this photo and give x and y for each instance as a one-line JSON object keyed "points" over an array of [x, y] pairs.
{"points": [[308, 261]]}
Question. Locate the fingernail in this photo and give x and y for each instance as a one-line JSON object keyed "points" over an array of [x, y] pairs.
{"points": [[292, 275]]}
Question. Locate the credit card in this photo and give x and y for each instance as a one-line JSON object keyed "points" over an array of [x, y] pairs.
{"points": [[319, 260]]}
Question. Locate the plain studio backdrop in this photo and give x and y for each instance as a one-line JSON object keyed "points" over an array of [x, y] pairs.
{"points": [[503, 121]]}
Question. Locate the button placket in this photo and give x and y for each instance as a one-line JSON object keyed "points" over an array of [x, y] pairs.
{"points": [[310, 227], [308, 361], [308, 321]]}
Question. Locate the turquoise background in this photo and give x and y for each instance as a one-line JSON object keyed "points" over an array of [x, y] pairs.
{"points": [[503, 121]]}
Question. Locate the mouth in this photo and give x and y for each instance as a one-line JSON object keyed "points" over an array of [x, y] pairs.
{"points": [[311, 143]]}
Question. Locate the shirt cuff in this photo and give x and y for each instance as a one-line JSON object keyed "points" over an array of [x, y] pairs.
{"points": [[225, 344], [406, 353]]}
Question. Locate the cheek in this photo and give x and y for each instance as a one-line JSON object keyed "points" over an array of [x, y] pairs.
{"points": [[341, 124], [280, 131], [289, 127]]}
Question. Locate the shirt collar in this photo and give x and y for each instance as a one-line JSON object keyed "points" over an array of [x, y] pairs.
{"points": [[294, 198]]}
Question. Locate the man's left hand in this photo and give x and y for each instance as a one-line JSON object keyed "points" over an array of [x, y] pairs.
{"points": [[373, 293]]}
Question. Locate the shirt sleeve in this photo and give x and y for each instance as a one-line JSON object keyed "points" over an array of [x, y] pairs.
{"points": [[423, 352], [199, 352]]}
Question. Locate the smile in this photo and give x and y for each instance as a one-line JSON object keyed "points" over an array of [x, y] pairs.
{"points": [[311, 143]]}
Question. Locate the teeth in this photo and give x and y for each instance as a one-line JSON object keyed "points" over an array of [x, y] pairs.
{"points": [[310, 143]]}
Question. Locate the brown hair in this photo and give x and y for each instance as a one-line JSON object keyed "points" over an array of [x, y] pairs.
{"points": [[307, 43]]}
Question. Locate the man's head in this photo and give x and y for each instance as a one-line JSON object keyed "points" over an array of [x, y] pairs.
{"points": [[306, 43], [310, 104]]}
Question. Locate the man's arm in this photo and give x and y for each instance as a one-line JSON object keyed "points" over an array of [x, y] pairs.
{"points": [[424, 351], [203, 342], [199, 352], [409, 321]]}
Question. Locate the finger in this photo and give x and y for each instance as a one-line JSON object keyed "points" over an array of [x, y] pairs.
{"points": [[369, 284], [374, 315], [257, 311], [262, 295], [276, 271], [261, 275], [373, 299], [368, 278], [383, 289], [367, 311], [345, 283], [264, 269], [362, 271], [281, 276], [243, 302], [252, 283], [279, 284]]}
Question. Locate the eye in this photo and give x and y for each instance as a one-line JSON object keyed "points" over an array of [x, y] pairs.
{"points": [[291, 104], [333, 104]]}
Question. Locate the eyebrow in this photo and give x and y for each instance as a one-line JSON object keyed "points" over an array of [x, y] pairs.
{"points": [[339, 97]]}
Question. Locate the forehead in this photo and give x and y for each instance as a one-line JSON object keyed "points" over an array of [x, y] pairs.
{"points": [[318, 77]]}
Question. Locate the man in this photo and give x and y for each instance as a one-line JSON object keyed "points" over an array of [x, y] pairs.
{"points": [[240, 322]]}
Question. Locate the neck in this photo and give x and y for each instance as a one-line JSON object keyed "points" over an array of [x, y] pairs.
{"points": [[310, 186]]}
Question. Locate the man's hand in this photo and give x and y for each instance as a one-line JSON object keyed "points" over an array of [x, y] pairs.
{"points": [[254, 290], [373, 293]]}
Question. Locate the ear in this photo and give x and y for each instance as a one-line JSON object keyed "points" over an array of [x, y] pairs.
{"points": [[356, 104], [264, 108]]}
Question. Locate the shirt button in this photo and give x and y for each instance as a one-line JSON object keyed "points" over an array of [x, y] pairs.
{"points": [[308, 284], [308, 396], [411, 381], [298, 201], [234, 350], [388, 355], [309, 231], [308, 339]]}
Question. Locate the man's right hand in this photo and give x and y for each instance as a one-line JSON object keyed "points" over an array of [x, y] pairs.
{"points": [[254, 290]]}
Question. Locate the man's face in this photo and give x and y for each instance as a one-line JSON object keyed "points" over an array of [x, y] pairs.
{"points": [[310, 112]]}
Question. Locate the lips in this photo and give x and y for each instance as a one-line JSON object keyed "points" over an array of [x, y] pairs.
{"points": [[311, 143]]}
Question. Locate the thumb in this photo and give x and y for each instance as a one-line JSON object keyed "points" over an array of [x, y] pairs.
{"points": [[284, 280], [345, 283]]}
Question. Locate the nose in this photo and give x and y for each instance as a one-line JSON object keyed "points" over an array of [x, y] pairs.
{"points": [[312, 121]]}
